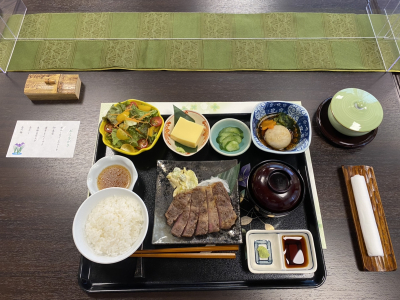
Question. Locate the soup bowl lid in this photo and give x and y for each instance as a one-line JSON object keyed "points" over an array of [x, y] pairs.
{"points": [[356, 110], [275, 187]]}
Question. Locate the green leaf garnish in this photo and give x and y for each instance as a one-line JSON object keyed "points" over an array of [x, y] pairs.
{"points": [[178, 113], [186, 148], [231, 176]]}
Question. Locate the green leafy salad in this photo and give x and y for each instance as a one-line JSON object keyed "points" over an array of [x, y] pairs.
{"points": [[131, 125]]}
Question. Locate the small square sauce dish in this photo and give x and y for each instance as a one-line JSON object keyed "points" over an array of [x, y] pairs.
{"points": [[263, 252], [280, 251]]}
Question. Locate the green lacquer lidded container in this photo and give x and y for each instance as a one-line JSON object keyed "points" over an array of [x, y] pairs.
{"points": [[354, 112]]}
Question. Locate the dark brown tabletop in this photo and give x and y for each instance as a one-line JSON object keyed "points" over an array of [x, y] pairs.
{"points": [[40, 196]]}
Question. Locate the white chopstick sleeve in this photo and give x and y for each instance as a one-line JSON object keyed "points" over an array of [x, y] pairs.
{"points": [[366, 216]]}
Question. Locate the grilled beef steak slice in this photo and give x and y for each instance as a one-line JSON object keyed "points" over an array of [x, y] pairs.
{"points": [[181, 222], [213, 219], [227, 215], [202, 224], [178, 204], [197, 194]]}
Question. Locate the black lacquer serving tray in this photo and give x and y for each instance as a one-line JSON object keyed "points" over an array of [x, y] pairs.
{"points": [[177, 274]]}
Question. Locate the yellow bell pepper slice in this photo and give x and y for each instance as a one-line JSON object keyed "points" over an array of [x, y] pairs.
{"points": [[122, 135], [122, 116], [152, 130], [128, 148], [144, 107]]}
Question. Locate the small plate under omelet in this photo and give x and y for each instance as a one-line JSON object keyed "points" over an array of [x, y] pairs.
{"points": [[199, 119]]}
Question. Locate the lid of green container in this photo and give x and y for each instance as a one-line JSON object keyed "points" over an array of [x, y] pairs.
{"points": [[357, 110]]}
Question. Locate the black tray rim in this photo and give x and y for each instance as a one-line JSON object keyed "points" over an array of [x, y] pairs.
{"points": [[214, 286]]}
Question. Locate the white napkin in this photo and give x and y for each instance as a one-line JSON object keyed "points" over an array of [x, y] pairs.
{"points": [[366, 215]]}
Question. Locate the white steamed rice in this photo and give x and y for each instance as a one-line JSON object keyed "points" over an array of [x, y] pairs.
{"points": [[114, 225]]}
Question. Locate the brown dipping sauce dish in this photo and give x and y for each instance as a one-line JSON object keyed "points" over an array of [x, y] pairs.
{"points": [[275, 188], [112, 171], [114, 176]]}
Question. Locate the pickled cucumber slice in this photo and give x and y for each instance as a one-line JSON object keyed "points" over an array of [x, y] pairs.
{"points": [[232, 146], [221, 136], [229, 138], [235, 130]]}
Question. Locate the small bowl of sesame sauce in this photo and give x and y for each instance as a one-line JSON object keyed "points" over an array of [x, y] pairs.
{"points": [[112, 171]]}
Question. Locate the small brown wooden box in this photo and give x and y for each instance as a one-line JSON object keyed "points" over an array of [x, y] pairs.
{"points": [[52, 87]]}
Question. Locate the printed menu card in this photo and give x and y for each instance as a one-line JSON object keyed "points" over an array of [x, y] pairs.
{"points": [[44, 139]]}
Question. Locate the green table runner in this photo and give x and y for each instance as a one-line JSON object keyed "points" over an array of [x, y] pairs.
{"points": [[197, 41]]}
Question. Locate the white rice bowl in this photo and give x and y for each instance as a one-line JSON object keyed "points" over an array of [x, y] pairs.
{"points": [[110, 225], [114, 225]]}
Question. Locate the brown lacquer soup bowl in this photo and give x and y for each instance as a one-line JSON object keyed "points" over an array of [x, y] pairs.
{"points": [[275, 188]]}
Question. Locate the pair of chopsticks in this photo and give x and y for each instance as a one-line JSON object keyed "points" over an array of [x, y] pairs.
{"points": [[190, 252]]}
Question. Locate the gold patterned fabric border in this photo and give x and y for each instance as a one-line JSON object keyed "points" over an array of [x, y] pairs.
{"points": [[199, 41]]}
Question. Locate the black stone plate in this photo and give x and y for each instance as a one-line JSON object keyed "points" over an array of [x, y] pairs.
{"points": [[334, 136], [177, 274], [164, 190]]}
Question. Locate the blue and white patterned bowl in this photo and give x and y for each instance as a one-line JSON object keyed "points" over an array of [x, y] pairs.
{"points": [[297, 112]]}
